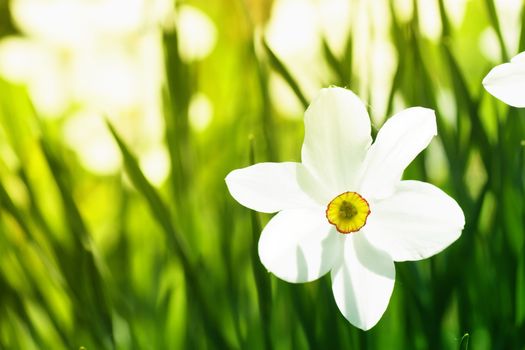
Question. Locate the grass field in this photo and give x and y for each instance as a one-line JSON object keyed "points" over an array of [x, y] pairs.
{"points": [[119, 123]]}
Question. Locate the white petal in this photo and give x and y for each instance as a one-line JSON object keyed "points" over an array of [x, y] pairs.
{"points": [[363, 282], [268, 187], [299, 245], [337, 135], [398, 142], [507, 81], [518, 58], [418, 221]]}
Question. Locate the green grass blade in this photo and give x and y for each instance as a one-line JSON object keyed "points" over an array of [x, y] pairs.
{"points": [[261, 276], [445, 22], [465, 99], [279, 66], [176, 99], [92, 302], [521, 46], [494, 21], [267, 121], [160, 212], [157, 206], [6, 203], [334, 63], [463, 345]]}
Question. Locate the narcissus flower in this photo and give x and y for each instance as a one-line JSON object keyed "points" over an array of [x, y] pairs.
{"points": [[345, 209], [507, 81]]}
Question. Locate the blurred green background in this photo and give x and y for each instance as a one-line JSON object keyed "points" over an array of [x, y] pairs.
{"points": [[120, 119]]}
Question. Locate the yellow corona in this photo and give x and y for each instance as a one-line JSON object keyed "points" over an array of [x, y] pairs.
{"points": [[348, 212]]}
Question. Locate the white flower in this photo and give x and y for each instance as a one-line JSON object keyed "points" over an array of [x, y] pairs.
{"points": [[507, 81], [346, 184]]}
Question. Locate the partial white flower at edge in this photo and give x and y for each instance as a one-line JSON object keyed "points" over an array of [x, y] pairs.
{"points": [[507, 81], [345, 209]]}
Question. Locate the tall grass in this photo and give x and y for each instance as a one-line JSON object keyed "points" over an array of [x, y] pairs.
{"points": [[106, 262]]}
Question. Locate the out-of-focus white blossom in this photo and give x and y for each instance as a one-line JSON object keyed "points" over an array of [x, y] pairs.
{"points": [[509, 14], [298, 44], [200, 111], [92, 59], [197, 33], [87, 134], [155, 164]]}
